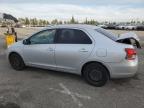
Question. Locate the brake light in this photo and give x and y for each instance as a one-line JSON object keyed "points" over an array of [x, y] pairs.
{"points": [[130, 53]]}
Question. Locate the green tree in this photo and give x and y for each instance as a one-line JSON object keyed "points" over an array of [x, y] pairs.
{"points": [[86, 21], [72, 21], [27, 22], [47, 23], [44, 22], [55, 21], [21, 20], [60, 22], [65, 22], [92, 22], [34, 22], [40, 22]]}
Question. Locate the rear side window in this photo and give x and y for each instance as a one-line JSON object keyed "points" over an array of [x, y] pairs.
{"points": [[107, 33], [72, 36]]}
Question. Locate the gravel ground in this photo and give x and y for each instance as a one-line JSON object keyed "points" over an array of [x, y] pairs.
{"points": [[21, 32], [39, 88]]}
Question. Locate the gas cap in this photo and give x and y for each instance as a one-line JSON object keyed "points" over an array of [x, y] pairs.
{"points": [[101, 52]]}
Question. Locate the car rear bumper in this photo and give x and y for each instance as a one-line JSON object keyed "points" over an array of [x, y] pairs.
{"points": [[123, 69]]}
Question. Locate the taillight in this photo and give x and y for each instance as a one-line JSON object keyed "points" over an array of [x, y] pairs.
{"points": [[130, 53]]}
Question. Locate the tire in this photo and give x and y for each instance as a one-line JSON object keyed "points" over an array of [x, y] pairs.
{"points": [[16, 61], [95, 74]]}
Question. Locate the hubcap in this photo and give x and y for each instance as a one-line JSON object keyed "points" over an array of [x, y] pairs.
{"points": [[15, 61], [95, 75]]}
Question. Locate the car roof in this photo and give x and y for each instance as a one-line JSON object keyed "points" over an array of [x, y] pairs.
{"points": [[80, 26]]}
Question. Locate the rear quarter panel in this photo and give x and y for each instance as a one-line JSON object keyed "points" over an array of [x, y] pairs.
{"points": [[106, 50]]}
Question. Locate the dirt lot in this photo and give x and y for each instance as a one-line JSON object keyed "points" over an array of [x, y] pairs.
{"points": [[21, 32], [38, 88]]}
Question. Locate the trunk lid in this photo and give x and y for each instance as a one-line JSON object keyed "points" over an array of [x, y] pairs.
{"points": [[129, 38]]}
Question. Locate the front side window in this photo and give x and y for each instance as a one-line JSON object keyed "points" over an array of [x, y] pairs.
{"points": [[72, 36], [43, 37]]}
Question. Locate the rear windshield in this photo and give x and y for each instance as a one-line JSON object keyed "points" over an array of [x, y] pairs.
{"points": [[107, 33]]}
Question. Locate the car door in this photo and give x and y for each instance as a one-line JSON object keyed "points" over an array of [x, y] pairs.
{"points": [[73, 46], [40, 50]]}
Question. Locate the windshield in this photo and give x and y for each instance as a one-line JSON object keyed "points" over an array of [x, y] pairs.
{"points": [[107, 33]]}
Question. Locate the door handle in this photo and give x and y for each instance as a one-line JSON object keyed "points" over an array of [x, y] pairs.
{"points": [[83, 50]]}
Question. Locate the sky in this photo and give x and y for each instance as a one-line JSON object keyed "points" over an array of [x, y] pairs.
{"points": [[100, 10]]}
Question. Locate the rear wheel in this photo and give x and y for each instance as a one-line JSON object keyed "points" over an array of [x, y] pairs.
{"points": [[95, 74], [16, 61]]}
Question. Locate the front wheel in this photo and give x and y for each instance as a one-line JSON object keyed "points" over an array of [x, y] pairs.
{"points": [[16, 61], [95, 74]]}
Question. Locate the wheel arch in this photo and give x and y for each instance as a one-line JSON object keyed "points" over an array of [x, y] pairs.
{"points": [[87, 63], [14, 52]]}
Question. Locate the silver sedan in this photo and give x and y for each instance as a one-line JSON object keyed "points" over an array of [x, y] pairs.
{"points": [[90, 51]]}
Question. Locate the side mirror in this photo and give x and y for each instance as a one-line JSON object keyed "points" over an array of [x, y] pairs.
{"points": [[26, 42]]}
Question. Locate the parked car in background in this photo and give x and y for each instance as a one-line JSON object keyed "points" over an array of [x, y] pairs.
{"points": [[20, 26], [140, 27], [3, 25], [120, 27], [86, 50], [130, 27], [111, 26], [103, 26]]}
